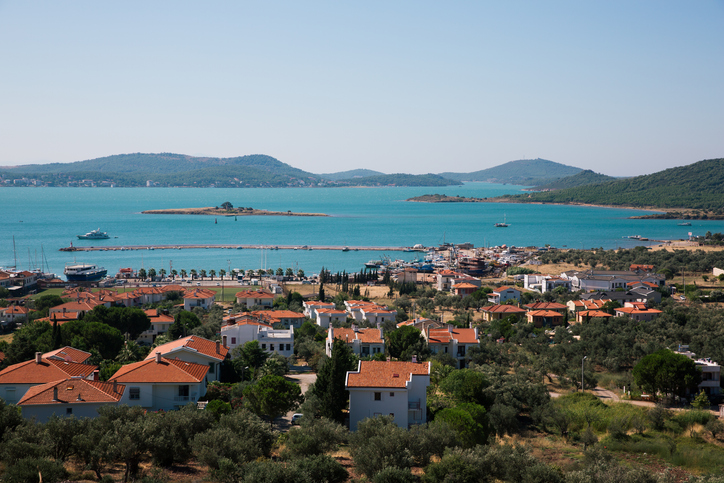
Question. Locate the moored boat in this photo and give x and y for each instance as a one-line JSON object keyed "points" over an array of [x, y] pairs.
{"points": [[96, 234], [84, 272]]}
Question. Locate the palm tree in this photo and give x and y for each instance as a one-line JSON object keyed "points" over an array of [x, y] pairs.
{"points": [[222, 272], [193, 273], [250, 273], [174, 272], [212, 274], [202, 273], [162, 272], [183, 273], [280, 272], [289, 272], [151, 273], [142, 273], [300, 273]]}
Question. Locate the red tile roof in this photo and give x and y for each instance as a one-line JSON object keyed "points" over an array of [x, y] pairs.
{"points": [[254, 294], [386, 374], [73, 391], [444, 336], [331, 311], [193, 343], [545, 306], [68, 353], [156, 317], [594, 313], [47, 370], [15, 309], [545, 313], [199, 293], [367, 336], [503, 309], [504, 288], [168, 370]]}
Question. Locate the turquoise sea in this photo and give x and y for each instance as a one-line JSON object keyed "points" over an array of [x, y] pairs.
{"points": [[42, 220]]}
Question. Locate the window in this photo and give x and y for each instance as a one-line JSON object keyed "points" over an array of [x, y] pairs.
{"points": [[263, 346], [68, 410], [392, 394], [271, 347], [134, 393], [233, 340], [289, 347], [183, 391], [378, 396]]}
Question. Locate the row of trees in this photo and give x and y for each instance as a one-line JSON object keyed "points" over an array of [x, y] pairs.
{"points": [[152, 273]]}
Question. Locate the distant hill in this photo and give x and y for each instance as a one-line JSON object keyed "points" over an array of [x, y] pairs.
{"points": [[401, 179], [528, 172], [354, 173], [696, 186], [582, 178], [168, 169]]}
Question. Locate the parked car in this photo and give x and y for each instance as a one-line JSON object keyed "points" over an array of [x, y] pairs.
{"points": [[296, 417]]}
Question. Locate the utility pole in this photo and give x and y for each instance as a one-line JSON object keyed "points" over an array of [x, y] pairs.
{"points": [[582, 362]]}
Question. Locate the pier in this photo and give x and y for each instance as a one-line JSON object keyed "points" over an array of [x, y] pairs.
{"points": [[239, 247]]}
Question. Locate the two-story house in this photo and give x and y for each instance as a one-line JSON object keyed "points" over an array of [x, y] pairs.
{"points": [[69, 397], [501, 295], [195, 349], [363, 342], [453, 341], [388, 388], [252, 298]]}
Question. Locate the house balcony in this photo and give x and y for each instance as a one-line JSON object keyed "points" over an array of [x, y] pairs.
{"points": [[413, 405]]}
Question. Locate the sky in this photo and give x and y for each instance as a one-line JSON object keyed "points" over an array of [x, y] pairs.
{"points": [[621, 87]]}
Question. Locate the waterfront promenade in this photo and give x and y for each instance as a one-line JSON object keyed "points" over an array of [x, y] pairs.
{"points": [[240, 247]]}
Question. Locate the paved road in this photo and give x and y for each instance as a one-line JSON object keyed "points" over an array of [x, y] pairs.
{"points": [[304, 380]]}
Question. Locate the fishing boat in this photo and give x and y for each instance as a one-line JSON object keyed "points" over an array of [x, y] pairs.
{"points": [[83, 272], [685, 223], [502, 225], [96, 234]]}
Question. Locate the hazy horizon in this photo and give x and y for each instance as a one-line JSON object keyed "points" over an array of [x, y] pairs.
{"points": [[411, 87]]}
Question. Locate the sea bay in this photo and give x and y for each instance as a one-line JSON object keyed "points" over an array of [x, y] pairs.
{"points": [[42, 220]]}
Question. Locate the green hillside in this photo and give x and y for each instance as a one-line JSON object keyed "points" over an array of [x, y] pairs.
{"points": [[583, 178], [528, 172], [353, 173], [401, 179], [696, 186]]}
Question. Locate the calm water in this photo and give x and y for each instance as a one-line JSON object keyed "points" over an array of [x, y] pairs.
{"points": [[46, 219]]}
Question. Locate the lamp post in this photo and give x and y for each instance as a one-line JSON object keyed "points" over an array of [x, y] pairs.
{"points": [[582, 362]]}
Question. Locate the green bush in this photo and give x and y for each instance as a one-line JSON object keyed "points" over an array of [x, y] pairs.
{"points": [[394, 475], [322, 468], [378, 444], [317, 437], [28, 470]]}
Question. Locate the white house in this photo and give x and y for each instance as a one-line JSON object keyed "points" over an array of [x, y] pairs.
{"points": [[199, 297], [280, 341], [17, 379], [13, 314], [710, 371], [325, 317], [311, 307], [502, 294], [363, 342], [287, 318], [70, 397], [252, 298], [545, 283], [453, 341], [195, 349], [388, 388], [377, 315], [161, 384], [160, 323]]}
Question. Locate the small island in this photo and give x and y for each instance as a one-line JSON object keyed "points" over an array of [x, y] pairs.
{"points": [[226, 209]]}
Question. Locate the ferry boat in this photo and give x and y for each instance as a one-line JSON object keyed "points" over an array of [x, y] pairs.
{"points": [[96, 234], [83, 272]]}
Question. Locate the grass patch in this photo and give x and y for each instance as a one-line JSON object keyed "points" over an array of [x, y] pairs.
{"points": [[6, 338], [693, 454], [615, 380], [48, 291]]}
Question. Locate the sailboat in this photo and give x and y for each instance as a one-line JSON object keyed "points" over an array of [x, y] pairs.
{"points": [[502, 225]]}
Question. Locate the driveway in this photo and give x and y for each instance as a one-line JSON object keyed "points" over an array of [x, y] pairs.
{"points": [[304, 380]]}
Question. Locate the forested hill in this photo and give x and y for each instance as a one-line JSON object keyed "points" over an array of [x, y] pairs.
{"points": [[353, 173], [168, 169], [583, 178], [401, 179], [528, 172], [696, 186]]}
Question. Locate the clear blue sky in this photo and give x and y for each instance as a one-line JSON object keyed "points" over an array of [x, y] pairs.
{"points": [[621, 87]]}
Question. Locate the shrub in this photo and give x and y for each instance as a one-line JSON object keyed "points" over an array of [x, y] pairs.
{"points": [[379, 443], [393, 475], [317, 437], [27, 470], [322, 468]]}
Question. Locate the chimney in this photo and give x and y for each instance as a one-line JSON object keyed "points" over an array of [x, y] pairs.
{"points": [[414, 358], [379, 327], [38, 357], [158, 357], [449, 328], [79, 398], [115, 386], [55, 393], [218, 347]]}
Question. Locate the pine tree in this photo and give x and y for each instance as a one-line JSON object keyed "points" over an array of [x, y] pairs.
{"points": [[57, 339], [329, 387]]}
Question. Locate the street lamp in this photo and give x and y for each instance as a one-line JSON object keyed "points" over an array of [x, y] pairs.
{"points": [[582, 361]]}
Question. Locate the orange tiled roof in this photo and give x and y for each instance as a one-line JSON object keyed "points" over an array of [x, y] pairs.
{"points": [[367, 336], [465, 285], [78, 306], [15, 309], [173, 288], [392, 374], [331, 311], [47, 370], [199, 293], [633, 310], [168, 370], [503, 309], [545, 313], [75, 355], [444, 336], [254, 294], [594, 313], [545, 306], [74, 391], [158, 317], [198, 344], [504, 288], [2, 356]]}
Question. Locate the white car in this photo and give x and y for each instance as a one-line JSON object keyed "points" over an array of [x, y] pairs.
{"points": [[296, 417]]}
